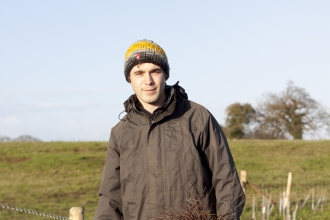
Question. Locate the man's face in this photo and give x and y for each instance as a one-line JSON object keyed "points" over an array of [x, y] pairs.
{"points": [[148, 83]]}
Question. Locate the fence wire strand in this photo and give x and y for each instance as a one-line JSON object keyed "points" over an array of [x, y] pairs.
{"points": [[33, 212]]}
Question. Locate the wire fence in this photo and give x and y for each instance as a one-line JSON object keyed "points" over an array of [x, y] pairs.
{"points": [[33, 212], [298, 192], [266, 200], [263, 200]]}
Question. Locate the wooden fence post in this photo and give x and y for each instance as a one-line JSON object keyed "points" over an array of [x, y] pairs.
{"points": [[243, 179], [77, 213], [288, 189]]}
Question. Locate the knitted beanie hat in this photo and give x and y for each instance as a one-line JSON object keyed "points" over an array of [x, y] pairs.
{"points": [[145, 51]]}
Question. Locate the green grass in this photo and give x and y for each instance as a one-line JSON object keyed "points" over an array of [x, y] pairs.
{"points": [[50, 177], [268, 164], [53, 177]]}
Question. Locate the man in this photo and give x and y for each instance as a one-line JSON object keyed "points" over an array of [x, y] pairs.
{"points": [[167, 152]]}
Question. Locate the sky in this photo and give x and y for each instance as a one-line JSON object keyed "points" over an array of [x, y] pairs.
{"points": [[62, 62]]}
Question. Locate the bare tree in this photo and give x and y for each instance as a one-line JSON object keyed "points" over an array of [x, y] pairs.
{"points": [[290, 113], [267, 128]]}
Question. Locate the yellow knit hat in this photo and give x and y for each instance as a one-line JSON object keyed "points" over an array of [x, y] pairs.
{"points": [[145, 51]]}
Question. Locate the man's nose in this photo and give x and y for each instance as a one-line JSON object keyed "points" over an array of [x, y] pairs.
{"points": [[148, 79]]}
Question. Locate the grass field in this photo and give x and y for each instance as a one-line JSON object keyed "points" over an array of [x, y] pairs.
{"points": [[55, 176]]}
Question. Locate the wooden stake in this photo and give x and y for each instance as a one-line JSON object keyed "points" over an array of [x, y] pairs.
{"points": [[253, 208], [305, 201], [268, 208], [280, 205], [295, 212], [243, 180], [313, 198], [288, 189], [77, 213], [317, 204], [323, 200]]}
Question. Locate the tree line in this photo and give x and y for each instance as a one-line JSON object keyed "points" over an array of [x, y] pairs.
{"points": [[286, 115]]}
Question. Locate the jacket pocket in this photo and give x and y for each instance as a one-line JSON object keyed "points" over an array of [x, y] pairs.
{"points": [[130, 208], [177, 158], [132, 165]]}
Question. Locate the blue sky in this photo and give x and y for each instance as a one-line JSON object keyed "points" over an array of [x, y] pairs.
{"points": [[61, 69]]}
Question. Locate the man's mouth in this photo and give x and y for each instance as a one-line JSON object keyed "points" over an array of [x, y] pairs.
{"points": [[150, 90]]}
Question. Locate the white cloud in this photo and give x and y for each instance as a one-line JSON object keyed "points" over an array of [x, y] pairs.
{"points": [[12, 120]]}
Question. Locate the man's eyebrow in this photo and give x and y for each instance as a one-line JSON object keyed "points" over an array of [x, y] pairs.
{"points": [[156, 69], [138, 71]]}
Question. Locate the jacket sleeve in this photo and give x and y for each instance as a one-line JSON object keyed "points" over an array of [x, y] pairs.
{"points": [[230, 197], [109, 204]]}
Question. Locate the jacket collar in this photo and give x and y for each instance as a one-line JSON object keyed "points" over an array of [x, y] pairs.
{"points": [[175, 94]]}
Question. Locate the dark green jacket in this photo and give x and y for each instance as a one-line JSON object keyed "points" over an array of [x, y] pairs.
{"points": [[157, 166]]}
